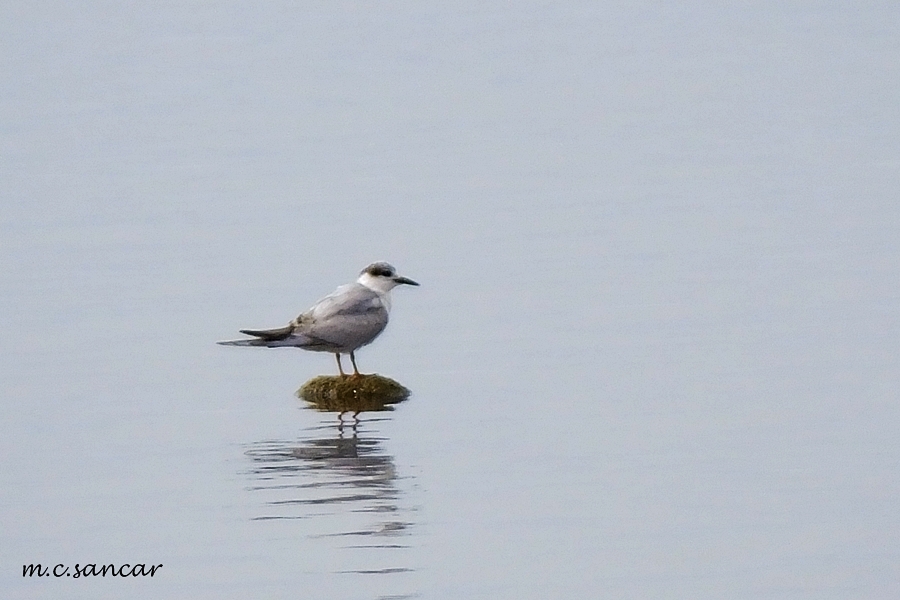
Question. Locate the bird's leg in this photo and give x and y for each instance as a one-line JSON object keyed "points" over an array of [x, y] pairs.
{"points": [[356, 372], [340, 367]]}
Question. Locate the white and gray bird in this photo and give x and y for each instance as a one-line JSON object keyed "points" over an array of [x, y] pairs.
{"points": [[350, 317]]}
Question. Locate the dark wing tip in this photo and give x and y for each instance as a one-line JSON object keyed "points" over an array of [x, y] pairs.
{"points": [[270, 335]]}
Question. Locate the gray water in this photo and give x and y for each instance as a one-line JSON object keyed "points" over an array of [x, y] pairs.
{"points": [[654, 353]]}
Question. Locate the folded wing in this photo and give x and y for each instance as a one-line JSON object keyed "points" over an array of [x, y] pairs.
{"points": [[271, 335], [350, 317]]}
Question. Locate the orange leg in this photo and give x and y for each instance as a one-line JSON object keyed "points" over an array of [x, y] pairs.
{"points": [[353, 360]]}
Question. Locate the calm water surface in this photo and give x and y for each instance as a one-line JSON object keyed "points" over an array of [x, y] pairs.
{"points": [[655, 349]]}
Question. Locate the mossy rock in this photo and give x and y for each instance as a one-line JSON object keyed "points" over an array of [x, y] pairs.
{"points": [[333, 393]]}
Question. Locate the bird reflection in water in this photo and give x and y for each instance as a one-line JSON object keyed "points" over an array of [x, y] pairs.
{"points": [[344, 481]]}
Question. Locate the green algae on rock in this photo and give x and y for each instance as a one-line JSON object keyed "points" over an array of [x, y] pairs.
{"points": [[353, 393]]}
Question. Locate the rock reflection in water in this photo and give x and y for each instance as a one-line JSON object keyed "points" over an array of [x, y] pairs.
{"points": [[333, 472]]}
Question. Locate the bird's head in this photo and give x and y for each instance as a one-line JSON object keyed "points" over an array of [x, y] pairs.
{"points": [[382, 277]]}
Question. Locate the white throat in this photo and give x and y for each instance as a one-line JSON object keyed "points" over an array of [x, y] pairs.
{"points": [[380, 285]]}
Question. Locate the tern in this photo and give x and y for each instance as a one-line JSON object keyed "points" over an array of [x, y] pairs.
{"points": [[350, 317]]}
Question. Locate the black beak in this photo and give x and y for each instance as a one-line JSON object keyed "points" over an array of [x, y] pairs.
{"points": [[405, 280]]}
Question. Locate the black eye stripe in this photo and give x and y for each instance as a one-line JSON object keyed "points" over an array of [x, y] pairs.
{"points": [[380, 270]]}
